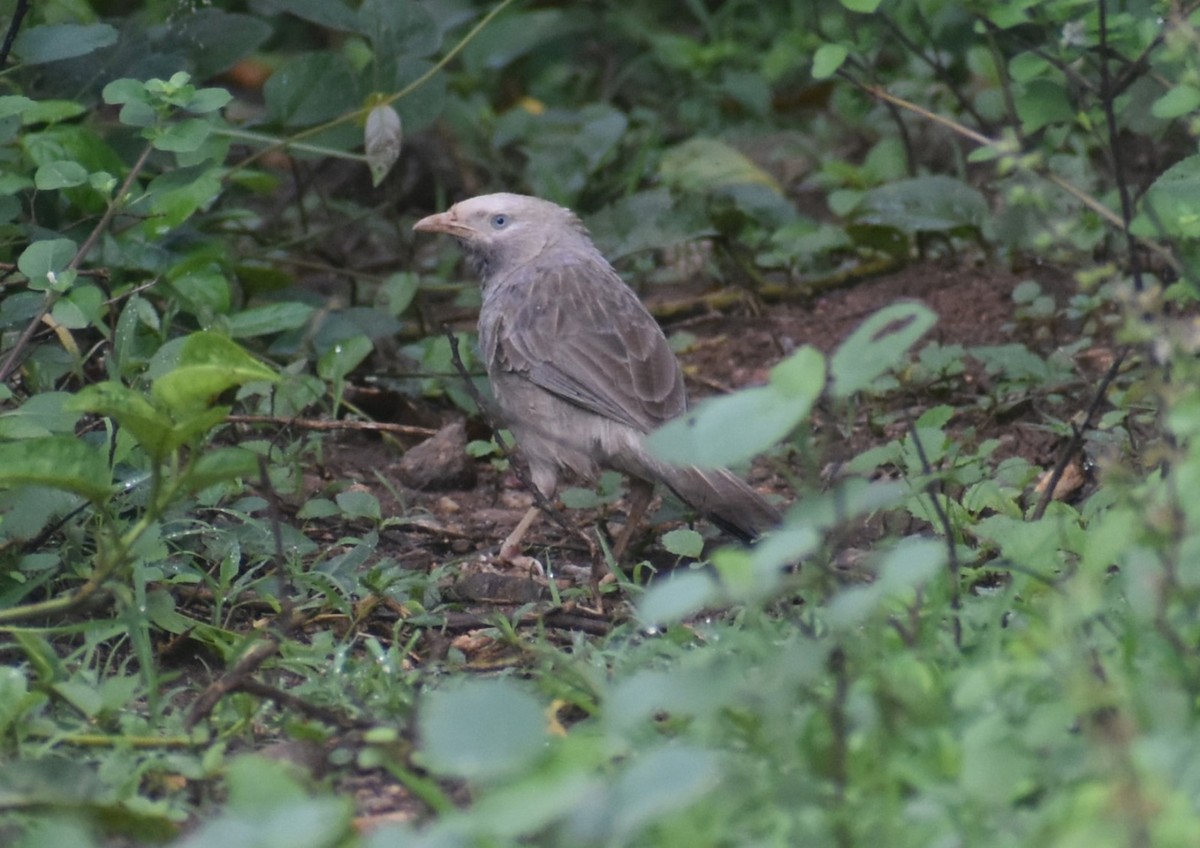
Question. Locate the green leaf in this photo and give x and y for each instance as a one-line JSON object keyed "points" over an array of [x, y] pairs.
{"points": [[15, 104], [827, 60], [182, 136], [343, 358], [1179, 101], [1173, 202], [208, 365], [54, 42], [207, 100], [43, 261], [924, 204], [480, 729], [311, 88], [866, 7], [731, 429], [684, 542], [221, 464], [124, 90], [702, 164], [61, 462], [878, 345], [62, 174], [1041, 102], [674, 598], [658, 782], [911, 564], [273, 318], [151, 427]]}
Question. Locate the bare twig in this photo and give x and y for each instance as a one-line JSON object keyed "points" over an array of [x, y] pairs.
{"points": [[323, 424], [14, 26]]}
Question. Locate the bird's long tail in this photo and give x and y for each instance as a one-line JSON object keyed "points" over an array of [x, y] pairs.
{"points": [[720, 496]]}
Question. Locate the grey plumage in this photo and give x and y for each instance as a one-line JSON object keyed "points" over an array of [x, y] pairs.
{"points": [[580, 369]]}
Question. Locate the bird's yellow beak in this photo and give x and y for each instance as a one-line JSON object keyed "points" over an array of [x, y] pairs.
{"points": [[443, 222]]}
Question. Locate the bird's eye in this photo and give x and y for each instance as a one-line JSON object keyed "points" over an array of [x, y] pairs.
{"points": [[499, 222]]}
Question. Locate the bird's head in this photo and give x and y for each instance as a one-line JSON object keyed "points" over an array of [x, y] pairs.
{"points": [[504, 231]]}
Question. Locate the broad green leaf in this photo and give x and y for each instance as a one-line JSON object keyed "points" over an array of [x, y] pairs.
{"points": [[827, 60], [208, 365], [1180, 100], [659, 782], [879, 344], [52, 111], [731, 429], [684, 542], [54, 42], [399, 289], [480, 729], [358, 503], [221, 464], [1172, 203], [272, 318], [1043, 101], [61, 462], [924, 204], [310, 88], [182, 136], [15, 104], [124, 90], [64, 174], [674, 598], [151, 427], [702, 164], [42, 261]]}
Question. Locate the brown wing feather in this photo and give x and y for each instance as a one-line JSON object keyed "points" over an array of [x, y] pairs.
{"points": [[578, 331]]}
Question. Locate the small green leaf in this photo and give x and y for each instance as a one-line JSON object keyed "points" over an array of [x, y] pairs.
{"points": [[343, 358], [182, 136], [61, 462], [207, 100], [827, 60], [684, 542], [877, 345], [14, 104], [359, 503], [43, 260], [124, 90]]}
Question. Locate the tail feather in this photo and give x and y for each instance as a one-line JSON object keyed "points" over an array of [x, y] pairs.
{"points": [[722, 497]]}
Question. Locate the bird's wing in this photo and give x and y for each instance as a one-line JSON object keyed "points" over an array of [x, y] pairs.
{"points": [[575, 329]]}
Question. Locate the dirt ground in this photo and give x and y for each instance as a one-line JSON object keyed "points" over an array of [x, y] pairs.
{"points": [[464, 518]]}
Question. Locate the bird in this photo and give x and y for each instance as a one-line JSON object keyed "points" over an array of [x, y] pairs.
{"points": [[579, 368]]}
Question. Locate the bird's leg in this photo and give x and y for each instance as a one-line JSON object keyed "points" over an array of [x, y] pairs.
{"points": [[640, 493]]}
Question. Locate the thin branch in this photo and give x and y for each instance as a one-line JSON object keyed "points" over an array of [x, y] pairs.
{"points": [[14, 26], [12, 361], [322, 424]]}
